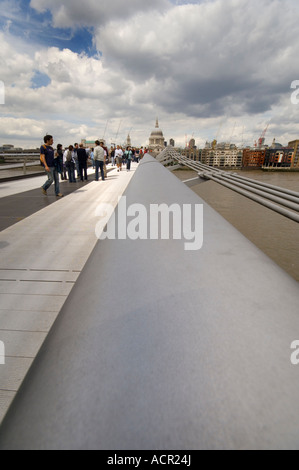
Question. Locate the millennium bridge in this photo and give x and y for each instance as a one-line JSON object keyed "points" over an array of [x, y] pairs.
{"points": [[141, 343]]}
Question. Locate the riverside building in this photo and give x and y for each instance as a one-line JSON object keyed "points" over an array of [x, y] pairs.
{"points": [[295, 160], [279, 158], [254, 158], [222, 155]]}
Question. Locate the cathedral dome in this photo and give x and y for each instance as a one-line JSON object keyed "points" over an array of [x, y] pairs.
{"points": [[157, 132], [156, 140]]}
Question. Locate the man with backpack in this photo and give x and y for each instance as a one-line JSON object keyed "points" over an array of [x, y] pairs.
{"points": [[47, 158], [68, 159]]}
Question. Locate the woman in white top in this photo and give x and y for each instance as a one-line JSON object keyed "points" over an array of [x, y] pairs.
{"points": [[119, 157]]}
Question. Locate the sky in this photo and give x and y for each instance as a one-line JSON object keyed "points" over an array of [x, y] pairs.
{"points": [[92, 69]]}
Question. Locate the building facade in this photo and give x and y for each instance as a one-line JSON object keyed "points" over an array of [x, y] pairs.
{"points": [[156, 140], [192, 153], [279, 158], [295, 160], [222, 155], [254, 158]]}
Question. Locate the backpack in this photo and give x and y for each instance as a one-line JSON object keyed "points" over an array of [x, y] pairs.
{"points": [[69, 156]]}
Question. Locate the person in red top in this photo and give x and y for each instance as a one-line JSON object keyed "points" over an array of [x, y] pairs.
{"points": [[48, 160]]}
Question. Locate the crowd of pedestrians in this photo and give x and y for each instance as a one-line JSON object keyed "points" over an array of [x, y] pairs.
{"points": [[71, 163]]}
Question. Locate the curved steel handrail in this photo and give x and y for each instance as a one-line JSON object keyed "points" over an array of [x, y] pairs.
{"points": [[252, 189]]}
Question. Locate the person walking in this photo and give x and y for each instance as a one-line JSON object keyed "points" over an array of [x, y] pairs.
{"points": [[76, 147], [92, 157], [59, 162], [112, 153], [48, 160], [129, 156], [82, 160], [99, 159], [69, 161], [118, 156]]}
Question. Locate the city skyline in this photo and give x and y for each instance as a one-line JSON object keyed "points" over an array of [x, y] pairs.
{"points": [[212, 69]]}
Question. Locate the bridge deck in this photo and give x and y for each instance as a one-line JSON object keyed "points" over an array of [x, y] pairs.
{"points": [[155, 347], [41, 258]]}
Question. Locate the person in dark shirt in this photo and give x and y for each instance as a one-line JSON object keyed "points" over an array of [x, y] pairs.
{"points": [[48, 160], [76, 148], [59, 158], [82, 161]]}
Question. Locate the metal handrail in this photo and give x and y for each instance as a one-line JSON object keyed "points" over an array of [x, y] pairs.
{"points": [[257, 191], [279, 199]]}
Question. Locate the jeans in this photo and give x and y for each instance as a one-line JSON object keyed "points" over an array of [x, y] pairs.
{"points": [[52, 177], [99, 165], [70, 167]]}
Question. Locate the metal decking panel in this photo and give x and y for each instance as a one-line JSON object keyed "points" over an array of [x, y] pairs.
{"points": [[160, 348]]}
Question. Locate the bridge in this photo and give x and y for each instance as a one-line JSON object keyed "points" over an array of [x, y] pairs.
{"points": [[272, 197], [149, 345], [20, 170]]}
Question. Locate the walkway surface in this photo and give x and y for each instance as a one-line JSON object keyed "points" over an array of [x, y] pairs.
{"points": [[42, 256]]}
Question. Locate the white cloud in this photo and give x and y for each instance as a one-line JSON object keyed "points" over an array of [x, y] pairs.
{"points": [[15, 66], [193, 65], [20, 128], [208, 51]]}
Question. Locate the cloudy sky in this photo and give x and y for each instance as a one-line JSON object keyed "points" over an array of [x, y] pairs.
{"points": [[105, 68]]}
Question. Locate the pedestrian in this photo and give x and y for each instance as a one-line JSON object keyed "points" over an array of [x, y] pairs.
{"points": [[48, 160], [129, 156], [118, 156], [112, 153], [99, 158], [69, 161], [82, 160], [106, 159], [76, 147], [59, 161], [92, 157]]}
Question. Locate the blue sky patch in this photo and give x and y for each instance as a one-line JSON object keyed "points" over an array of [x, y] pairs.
{"points": [[40, 80], [22, 21]]}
